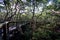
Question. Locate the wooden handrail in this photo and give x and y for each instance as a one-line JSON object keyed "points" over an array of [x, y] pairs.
{"points": [[56, 12]]}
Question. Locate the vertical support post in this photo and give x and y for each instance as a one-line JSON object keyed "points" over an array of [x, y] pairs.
{"points": [[4, 32], [4, 28]]}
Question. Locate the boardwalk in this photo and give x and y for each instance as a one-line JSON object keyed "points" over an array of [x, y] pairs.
{"points": [[13, 31]]}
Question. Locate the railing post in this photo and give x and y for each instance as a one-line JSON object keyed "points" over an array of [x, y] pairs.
{"points": [[4, 28], [8, 31], [4, 32]]}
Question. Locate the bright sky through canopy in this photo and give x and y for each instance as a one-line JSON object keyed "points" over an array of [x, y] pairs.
{"points": [[40, 8], [1, 0]]}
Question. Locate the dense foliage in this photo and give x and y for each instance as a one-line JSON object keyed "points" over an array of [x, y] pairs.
{"points": [[46, 24]]}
